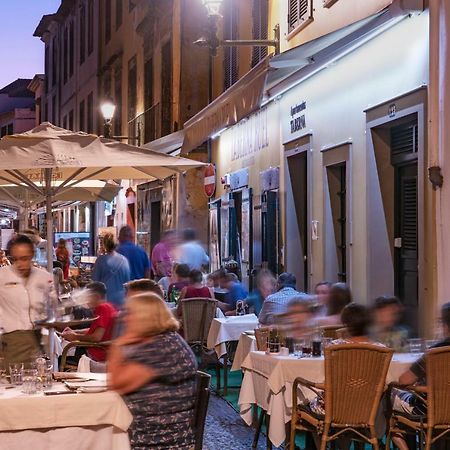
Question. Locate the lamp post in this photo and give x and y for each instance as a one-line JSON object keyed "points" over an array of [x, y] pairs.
{"points": [[108, 108], [213, 42]]}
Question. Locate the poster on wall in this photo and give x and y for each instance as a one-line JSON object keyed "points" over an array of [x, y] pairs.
{"points": [[78, 244]]}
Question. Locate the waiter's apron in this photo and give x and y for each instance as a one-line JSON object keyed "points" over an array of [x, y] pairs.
{"points": [[20, 346]]}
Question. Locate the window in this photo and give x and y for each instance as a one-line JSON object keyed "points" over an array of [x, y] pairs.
{"points": [[10, 129], [149, 126], [90, 113], [47, 53], [82, 34], [131, 5], [108, 15], [3, 131], [300, 14], [65, 122], [71, 48], [119, 13], [54, 116], [81, 118], [132, 88], [230, 31], [66, 54], [166, 89], [260, 14], [46, 112], [118, 101], [71, 120], [54, 61], [90, 26]]}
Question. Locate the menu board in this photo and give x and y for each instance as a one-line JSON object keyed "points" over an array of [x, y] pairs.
{"points": [[78, 244]]}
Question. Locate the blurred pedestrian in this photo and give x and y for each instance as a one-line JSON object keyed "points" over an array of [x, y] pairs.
{"points": [[191, 252], [386, 312], [235, 292], [266, 284], [277, 303], [113, 270], [322, 291], [137, 258], [181, 280], [142, 286], [25, 292], [62, 255], [162, 255], [339, 297], [155, 370]]}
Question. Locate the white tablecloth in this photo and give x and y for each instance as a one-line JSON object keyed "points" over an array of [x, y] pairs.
{"points": [[75, 422], [229, 329], [246, 344], [268, 383]]}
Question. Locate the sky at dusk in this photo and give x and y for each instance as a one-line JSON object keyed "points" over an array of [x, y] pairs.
{"points": [[21, 54]]}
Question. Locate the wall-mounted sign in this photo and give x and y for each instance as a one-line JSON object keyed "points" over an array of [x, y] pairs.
{"points": [[250, 136], [298, 117], [239, 179]]}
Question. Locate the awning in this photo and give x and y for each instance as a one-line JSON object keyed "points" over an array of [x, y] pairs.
{"points": [[275, 75], [168, 144], [239, 101]]}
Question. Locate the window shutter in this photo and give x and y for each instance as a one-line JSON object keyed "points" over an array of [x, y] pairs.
{"points": [[404, 140], [300, 13], [409, 218], [260, 29]]}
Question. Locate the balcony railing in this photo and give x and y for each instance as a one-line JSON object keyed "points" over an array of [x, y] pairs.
{"points": [[146, 126]]}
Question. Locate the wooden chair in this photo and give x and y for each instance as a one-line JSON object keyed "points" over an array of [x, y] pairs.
{"points": [[330, 331], [436, 398], [201, 407], [355, 378], [65, 366]]}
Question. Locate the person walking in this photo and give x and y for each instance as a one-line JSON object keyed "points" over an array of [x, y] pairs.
{"points": [[162, 255], [191, 252], [24, 294], [62, 255], [137, 258], [113, 270]]}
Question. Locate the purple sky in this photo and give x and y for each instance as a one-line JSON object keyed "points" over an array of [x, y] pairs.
{"points": [[21, 54]]}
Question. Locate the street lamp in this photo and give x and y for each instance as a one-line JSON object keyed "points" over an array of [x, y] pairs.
{"points": [[213, 42], [108, 108]]}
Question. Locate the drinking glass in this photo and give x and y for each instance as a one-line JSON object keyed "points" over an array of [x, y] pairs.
{"points": [[326, 341], [298, 347], [415, 345], [30, 381], [306, 348], [2, 371], [316, 348], [16, 372], [430, 343]]}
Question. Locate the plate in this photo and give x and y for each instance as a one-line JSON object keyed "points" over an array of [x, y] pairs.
{"points": [[91, 389]]}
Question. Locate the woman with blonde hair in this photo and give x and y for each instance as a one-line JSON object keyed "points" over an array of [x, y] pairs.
{"points": [[155, 370]]}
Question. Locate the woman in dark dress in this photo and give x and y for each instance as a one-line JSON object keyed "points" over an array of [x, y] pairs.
{"points": [[154, 369]]}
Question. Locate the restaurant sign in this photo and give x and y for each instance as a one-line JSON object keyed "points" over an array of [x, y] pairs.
{"points": [[298, 117]]}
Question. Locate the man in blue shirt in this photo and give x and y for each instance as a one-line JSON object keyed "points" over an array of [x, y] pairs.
{"points": [[136, 256], [236, 292]]}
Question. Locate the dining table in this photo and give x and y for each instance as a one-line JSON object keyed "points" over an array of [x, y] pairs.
{"points": [[268, 380], [246, 344], [96, 418]]}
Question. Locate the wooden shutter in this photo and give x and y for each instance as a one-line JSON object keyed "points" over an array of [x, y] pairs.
{"points": [[300, 14], [409, 218], [260, 28], [404, 142], [329, 3]]}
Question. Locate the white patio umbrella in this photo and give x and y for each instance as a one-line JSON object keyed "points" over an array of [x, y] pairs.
{"points": [[50, 154]]}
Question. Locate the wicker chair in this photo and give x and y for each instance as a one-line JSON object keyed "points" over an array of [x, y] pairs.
{"points": [[436, 397], [355, 378], [331, 331], [66, 366], [201, 407]]}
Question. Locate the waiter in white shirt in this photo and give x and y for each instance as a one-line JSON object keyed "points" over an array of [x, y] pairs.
{"points": [[24, 291]]}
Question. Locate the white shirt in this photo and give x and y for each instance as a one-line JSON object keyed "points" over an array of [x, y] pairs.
{"points": [[23, 300], [192, 254]]}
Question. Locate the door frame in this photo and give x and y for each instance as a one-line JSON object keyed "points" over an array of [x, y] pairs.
{"points": [[303, 144], [414, 102]]}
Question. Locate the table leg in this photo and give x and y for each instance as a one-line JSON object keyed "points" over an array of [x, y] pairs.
{"points": [[258, 428], [225, 374], [268, 442]]}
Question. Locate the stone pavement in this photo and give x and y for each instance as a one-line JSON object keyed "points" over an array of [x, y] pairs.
{"points": [[226, 430]]}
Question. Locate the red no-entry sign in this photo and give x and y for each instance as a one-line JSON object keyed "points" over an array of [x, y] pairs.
{"points": [[210, 180]]}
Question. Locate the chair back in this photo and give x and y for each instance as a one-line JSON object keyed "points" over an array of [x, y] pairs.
{"points": [[201, 407], [438, 382], [197, 314], [355, 379], [262, 336]]}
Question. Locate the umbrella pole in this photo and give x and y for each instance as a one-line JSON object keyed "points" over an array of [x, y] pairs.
{"points": [[49, 217]]}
